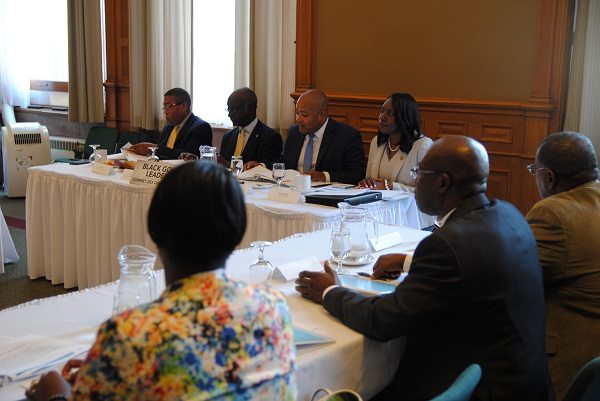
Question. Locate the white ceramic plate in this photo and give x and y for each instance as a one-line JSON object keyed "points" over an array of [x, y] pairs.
{"points": [[351, 262], [260, 185]]}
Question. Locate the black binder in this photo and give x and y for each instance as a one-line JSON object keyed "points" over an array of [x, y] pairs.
{"points": [[332, 199]]}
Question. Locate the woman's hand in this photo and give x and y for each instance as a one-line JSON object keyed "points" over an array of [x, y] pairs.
{"points": [[49, 385], [374, 183], [70, 370]]}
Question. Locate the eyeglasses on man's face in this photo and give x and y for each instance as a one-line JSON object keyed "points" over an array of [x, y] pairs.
{"points": [[415, 171], [533, 169], [234, 109], [167, 106]]}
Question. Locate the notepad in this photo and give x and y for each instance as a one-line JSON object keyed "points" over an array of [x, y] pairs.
{"points": [[304, 337]]}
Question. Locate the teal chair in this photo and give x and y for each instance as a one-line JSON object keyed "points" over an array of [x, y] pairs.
{"points": [[463, 386], [586, 386], [103, 136], [127, 137]]}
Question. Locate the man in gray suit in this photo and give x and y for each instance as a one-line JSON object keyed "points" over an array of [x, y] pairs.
{"points": [[474, 292], [566, 226]]}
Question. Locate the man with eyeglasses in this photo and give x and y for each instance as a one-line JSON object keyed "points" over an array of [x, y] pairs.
{"points": [[566, 226], [474, 292], [250, 138], [184, 132]]}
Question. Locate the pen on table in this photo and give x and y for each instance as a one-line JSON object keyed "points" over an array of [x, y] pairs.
{"points": [[364, 274]]}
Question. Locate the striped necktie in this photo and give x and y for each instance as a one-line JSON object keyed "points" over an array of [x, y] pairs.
{"points": [[308, 153], [173, 137], [239, 145]]}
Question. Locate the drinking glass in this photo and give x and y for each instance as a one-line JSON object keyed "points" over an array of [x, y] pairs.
{"points": [[95, 156], [261, 271], [278, 172], [339, 247], [153, 157], [237, 165]]}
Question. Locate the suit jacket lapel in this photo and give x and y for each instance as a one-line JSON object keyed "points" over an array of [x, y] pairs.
{"points": [[377, 156], [325, 141], [184, 129], [252, 142]]}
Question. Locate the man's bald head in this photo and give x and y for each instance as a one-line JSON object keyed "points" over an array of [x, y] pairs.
{"points": [[241, 106], [454, 168], [564, 161], [311, 111], [464, 159]]}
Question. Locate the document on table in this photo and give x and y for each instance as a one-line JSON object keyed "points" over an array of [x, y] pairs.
{"points": [[260, 173], [305, 337], [30, 356]]}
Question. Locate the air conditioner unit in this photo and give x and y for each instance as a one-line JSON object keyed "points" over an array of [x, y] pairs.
{"points": [[23, 145]]}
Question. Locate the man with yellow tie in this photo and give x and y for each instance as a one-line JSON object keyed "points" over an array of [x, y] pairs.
{"points": [[249, 138], [184, 132]]}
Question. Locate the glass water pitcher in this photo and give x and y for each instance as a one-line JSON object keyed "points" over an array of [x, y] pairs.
{"points": [[355, 219], [208, 153], [137, 284]]}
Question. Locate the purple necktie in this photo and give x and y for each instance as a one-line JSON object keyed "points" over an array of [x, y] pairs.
{"points": [[308, 152]]}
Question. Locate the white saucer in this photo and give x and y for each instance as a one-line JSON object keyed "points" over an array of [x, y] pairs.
{"points": [[350, 262], [262, 185]]}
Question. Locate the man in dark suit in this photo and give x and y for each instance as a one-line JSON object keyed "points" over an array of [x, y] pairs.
{"points": [[184, 132], [325, 149], [474, 292], [250, 138]]}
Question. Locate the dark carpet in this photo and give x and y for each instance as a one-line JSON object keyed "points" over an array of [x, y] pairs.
{"points": [[15, 286]]}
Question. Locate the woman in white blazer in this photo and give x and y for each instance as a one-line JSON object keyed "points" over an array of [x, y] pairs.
{"points": [[399, 145]]}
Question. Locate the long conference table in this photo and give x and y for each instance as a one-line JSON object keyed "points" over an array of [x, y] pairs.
{"points": [[78, 220], [350, 361]]}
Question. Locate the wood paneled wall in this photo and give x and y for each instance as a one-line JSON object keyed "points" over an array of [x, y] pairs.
{"points": [[509, 129], [117, 113]]}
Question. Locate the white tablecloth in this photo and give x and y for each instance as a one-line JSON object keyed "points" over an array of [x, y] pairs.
{"points": [[78, 220], [269, 220], [352, 361], [8, 253]]}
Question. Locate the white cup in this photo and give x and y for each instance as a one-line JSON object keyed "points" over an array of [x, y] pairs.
{"points": [[302, 182], [103, 153]]}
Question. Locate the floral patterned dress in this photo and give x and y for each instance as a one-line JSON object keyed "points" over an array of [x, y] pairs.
{"points": [[205, 338]]}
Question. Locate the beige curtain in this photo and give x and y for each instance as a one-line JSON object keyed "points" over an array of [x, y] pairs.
{"points": [[160, 56], [85, 61], [243, 42], [583, 98], [273, 60]]}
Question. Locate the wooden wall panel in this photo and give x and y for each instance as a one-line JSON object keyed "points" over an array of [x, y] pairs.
{"points": [[116, 86], [509, 129]]}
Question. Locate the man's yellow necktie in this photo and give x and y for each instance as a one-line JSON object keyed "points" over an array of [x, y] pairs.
{"points": [[173, 137], [239, 146]]}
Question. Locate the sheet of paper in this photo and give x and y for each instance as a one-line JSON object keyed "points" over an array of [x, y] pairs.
{"points": [[289, 271], [30, 356], [337, 191], [134, 157], [262, 173], [386, 241]]}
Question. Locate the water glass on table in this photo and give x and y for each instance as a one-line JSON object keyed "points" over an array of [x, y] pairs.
{"points": [[278, 172], [261, 270], [339, 247], [237, 165]]}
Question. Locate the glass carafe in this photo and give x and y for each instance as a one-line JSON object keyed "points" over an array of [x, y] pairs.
{"points": [[137, 284], [354, 219], [208, 153]]}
